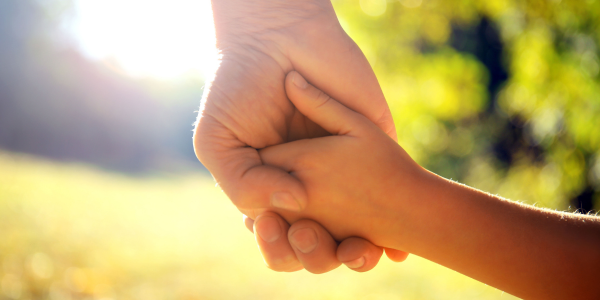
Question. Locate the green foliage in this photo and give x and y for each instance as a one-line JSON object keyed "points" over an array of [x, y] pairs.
{"points": [[72, 232], [532, 136]]}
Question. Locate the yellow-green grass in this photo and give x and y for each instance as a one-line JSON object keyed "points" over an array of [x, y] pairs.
{"points": [[71, 231]]}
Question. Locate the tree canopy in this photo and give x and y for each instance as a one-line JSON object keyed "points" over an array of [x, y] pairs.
{"points": [[502, 95]]}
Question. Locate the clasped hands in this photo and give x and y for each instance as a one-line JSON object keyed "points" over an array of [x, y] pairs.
{"points": [[349, 179], [245, 110]]}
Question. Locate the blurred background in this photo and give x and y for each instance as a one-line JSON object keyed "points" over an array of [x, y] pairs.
{"points": [[110, 83], [101, 196], [501, 95]]}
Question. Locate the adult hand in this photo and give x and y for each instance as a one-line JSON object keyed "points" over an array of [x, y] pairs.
{"points": [[245, 108]]}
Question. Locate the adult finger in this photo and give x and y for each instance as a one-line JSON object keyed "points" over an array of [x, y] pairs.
{"points": [[330, 60], [358, 254], [240, 172], [314, 246], [272, 242], [319, 107], [270, 231], [320, 257]]}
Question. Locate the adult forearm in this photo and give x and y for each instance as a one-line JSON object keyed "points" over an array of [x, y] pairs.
{"points": [[526, 251], [237, 20]]}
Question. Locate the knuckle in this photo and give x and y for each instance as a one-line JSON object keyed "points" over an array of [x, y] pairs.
{"points": [[280, 179], [207, 134], [200, 141]]}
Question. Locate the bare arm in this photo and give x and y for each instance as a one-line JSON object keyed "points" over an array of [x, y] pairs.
{"points": [[361, 183], [526, 251]]}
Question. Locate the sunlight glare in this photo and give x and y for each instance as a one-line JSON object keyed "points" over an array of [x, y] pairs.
{"points": [[161, 39]]}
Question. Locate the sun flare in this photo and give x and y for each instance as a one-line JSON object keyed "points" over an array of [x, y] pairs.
{"points": [[157, 38]]}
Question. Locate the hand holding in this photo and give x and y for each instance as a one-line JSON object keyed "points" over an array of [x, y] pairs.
{"points": [[350, 176], [245, 108]]}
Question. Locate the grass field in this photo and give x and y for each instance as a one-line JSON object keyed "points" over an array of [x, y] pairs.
{"points": [[70, 231]]}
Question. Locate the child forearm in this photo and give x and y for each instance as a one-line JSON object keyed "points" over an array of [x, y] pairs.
{"points": [[362, 183], [523, 250]]}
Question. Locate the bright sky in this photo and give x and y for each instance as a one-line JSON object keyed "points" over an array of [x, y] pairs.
{"points": [[164, 39]]}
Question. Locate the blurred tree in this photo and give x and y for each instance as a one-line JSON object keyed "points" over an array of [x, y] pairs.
{"points": [[500, 94]]}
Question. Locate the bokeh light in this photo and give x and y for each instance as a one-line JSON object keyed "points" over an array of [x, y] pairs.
{"points": [[163, 39]]}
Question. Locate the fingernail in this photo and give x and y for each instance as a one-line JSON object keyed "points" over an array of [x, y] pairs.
{"points": [[299, 81], [304, 239], [268, 229], [355, 264], [285, 201]]}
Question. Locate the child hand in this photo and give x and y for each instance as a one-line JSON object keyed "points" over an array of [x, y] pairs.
{"points": [[359, 182], [349, 177]]}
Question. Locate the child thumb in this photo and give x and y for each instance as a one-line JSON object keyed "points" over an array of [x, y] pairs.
{"points": [[319, 107]]}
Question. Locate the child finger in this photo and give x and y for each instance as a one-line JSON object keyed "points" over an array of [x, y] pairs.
{"points": [[319, 107], [287, 156]]}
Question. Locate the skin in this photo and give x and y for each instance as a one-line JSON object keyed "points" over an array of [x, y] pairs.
{"points": [[362, 183], [245, 108]]}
